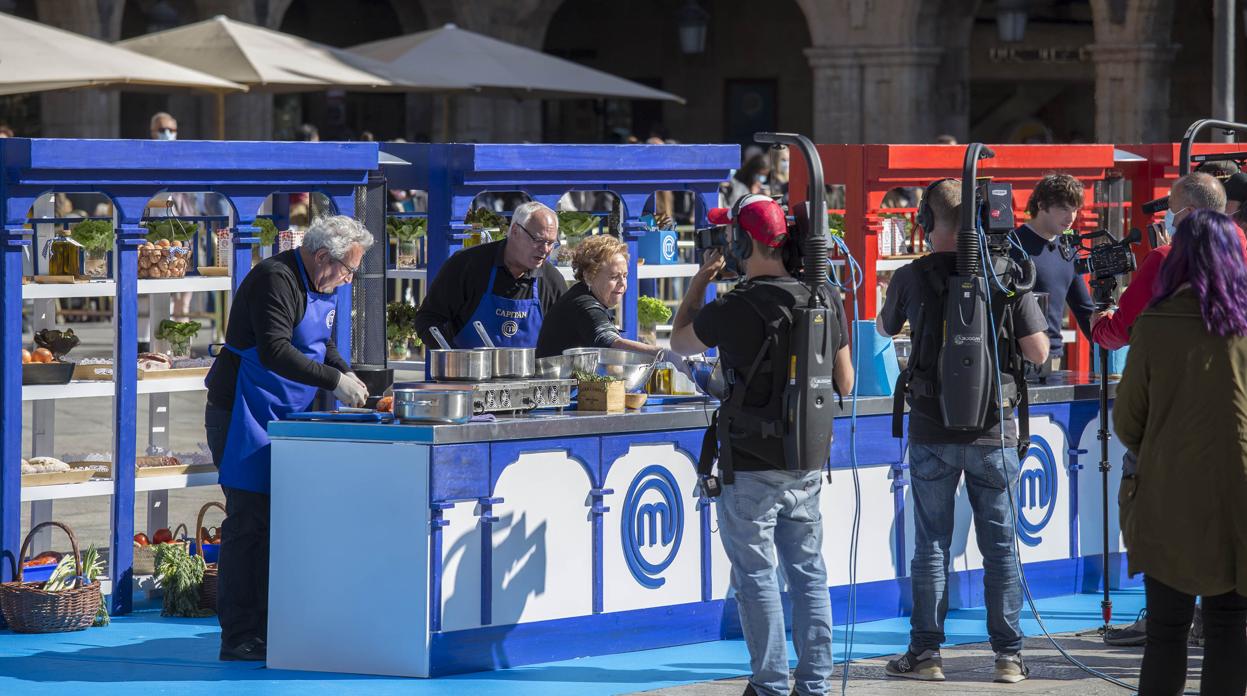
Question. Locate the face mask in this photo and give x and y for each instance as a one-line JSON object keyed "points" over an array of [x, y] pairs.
{"points": [[783, 166], [761, 179], [166, 134], [1169, 222]]}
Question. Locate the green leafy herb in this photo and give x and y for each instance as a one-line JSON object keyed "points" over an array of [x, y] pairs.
{"points": [[170, 228], [93, 235], [486, 218], [400, 321], [582, 376], [178, 334], [180, 575], [268, 231], [650, 311], [407, 229], [573, 226], [835, 224]]}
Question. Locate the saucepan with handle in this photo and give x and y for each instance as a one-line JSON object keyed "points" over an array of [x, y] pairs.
{"points": [[508, 363], [448, 364]]}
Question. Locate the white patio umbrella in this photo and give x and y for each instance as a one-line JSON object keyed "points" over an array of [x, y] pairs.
{"points": [[501, 68], [37, 57], [271, 61]]}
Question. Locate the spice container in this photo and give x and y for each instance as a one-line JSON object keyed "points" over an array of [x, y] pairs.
{"points": [[64, 256]]}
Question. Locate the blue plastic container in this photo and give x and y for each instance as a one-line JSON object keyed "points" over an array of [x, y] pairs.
{"points": [[211, 551], [659, 247], [876, 360], [38, 573]]}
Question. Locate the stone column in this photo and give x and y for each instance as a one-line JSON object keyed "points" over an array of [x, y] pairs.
{"points": [[1132, 91], [874, 94]]}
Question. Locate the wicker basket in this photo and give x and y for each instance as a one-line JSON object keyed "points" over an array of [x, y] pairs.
{"points": [[207, 590], [29, 609]]}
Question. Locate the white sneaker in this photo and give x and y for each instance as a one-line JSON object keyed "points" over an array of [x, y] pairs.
{"points": [[1010, 669]]}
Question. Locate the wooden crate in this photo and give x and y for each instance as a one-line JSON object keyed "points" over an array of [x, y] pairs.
{"points": [[601, 396]]}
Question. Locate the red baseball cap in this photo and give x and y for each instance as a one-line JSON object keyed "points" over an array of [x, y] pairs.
{"points": [[760, 216]]}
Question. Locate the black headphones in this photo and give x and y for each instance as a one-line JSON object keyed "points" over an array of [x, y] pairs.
{"points": [[926, 217]]}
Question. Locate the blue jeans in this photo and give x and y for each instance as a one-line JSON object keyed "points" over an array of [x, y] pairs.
{"points": [[935, 471], [768, 520]]}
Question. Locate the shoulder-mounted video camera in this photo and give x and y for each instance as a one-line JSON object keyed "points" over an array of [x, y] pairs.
{"points": [[1103, 261], [735, 243]]}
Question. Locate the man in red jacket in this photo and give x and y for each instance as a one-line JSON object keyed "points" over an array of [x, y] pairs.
{"points": [[1111, 329]]}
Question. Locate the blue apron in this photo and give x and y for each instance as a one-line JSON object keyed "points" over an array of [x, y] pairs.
{"points": [[510, 323], [262, 395]]}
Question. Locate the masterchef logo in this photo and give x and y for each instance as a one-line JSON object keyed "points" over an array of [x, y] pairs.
{"points": [[652, 525], [329, 318], [1037, 491]]}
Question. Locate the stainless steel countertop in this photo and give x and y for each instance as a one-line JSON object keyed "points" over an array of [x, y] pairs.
{"points": [[1061, 387]]}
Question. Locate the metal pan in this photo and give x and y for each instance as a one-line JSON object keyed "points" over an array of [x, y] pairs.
{"points": [[433, 403], [460, 365], [508, 363]]}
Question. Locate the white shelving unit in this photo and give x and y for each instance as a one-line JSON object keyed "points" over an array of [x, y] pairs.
{"points": [[108, 288], [407, 274], [93, 388]]}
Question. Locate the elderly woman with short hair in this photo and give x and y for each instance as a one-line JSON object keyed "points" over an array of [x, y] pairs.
{"points": [[279, 353], [584, 317]]}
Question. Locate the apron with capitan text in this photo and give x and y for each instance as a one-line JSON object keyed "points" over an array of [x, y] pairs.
{"points": [[510, 323], [262, 395]]}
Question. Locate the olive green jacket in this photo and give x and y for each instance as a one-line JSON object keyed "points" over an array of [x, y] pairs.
{"points": [[1182, 406]]}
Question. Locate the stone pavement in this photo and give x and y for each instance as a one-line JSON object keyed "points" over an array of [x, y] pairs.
{"points": [[969, 671]]}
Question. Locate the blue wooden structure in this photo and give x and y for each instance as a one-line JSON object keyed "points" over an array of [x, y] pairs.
{"points": [[131, 173], [455, 174]]}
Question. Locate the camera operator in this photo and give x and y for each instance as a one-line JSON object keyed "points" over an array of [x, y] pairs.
{"points": [[938, 456], [1196, 191], [768, 515], [1053, 207]]}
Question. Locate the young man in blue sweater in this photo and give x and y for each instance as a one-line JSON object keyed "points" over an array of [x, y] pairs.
{"points": [[1053, 207]]}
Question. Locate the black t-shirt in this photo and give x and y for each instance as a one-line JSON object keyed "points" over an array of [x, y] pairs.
{"points": [[460, 285], [577, 320], [735, 328], [268, 305], [907, 293]]}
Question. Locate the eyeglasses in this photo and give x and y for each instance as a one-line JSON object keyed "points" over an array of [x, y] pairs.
{"points": [[548, 243], [351, 272]]}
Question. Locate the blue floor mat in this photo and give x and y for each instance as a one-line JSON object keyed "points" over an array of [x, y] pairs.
{"points": [[144, 653]]}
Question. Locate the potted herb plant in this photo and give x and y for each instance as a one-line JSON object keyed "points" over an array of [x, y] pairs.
{"points": [[487, 226], [650, 312], [179, 335], [400, 330], [96, 238], [573, 227], [407, 233]]}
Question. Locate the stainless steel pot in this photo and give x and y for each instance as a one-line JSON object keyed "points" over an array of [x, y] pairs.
{"points": [[433, 403], [513, 363], [568, 364], [632, 367], [460, 365]]}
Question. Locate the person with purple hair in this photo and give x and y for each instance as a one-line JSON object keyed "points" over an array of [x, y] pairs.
{"points": [[1182, 406]]}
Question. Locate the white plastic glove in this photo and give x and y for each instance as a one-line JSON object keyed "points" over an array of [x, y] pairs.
{"points": [[350, 390]]}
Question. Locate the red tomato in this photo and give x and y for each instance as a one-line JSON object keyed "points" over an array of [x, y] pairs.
{"points": [[141, 539], [42, 355], [162, 536]]}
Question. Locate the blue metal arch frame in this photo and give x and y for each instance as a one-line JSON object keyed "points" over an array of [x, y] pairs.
{"points": [[454, 174], [131, 173]]}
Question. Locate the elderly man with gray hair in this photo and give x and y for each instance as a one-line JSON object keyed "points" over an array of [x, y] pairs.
{"points": [[506, 285], [279, 353]]}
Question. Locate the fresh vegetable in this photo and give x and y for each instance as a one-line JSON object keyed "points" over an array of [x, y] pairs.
{"points": [[268, 231], [170, 229], [141, 539], [64, 575], [45, 558], [407, 229], [26, 357], [162, 536], [835, 224], [41, 355], [590, 377], [573, 226], [650, 311], [385, 404], [180, 574], [485, 218], [163, 259], [178, 334], [93, 235]]}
